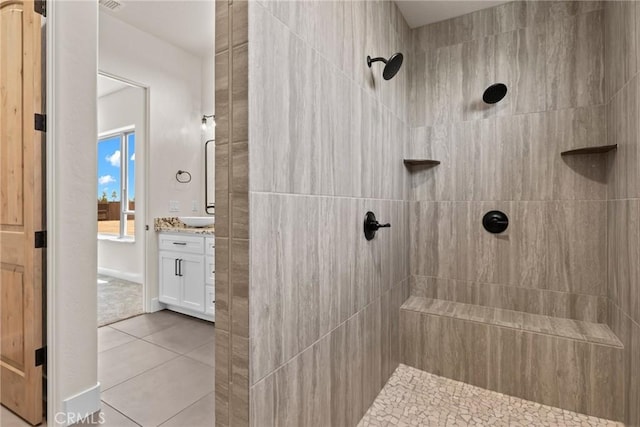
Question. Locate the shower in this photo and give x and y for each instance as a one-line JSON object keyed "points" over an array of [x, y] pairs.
{"points": [[392, 65]]}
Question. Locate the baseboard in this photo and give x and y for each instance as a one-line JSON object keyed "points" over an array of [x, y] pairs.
{"points": [[122, 275], [82, 405], [156, 306]]}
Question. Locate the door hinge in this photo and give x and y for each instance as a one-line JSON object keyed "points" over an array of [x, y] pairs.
{"points": [[40, 6], [41, 122], [41, 239], [41, 356]]}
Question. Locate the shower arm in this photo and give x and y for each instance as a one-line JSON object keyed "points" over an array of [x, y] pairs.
{"points": [[371, 60]]}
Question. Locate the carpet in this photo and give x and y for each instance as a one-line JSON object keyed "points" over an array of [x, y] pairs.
{"points": [[117, 300]]}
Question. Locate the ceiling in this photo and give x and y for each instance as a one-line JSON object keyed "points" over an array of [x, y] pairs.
{"points": [[187, 24], [107, 85], [190, 24], [423, 12]]}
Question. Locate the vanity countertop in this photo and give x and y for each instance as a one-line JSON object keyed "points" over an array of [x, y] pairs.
{"points": [[174, 225]]}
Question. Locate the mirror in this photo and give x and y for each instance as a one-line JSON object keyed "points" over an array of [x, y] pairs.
{"points": [[209, 177]]}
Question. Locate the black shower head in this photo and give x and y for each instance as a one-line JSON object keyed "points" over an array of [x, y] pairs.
{"points": [[494, 93], [392, 65]]}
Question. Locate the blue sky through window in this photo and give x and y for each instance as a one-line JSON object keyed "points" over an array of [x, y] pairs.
{"points": [[109, 164]]}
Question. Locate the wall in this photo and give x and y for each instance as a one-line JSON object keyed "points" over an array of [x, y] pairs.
{"points": [[71, 208], [208, 108], [115, 111], [326, 144], [173, 78], [232, 214], [173, 81], [552, 258], [622, 44]]}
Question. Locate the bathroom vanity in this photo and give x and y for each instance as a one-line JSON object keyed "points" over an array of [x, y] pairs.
{"points": [[186, 260]]}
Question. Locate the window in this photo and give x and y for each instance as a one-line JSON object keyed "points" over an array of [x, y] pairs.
{"points": [[116, 184]]}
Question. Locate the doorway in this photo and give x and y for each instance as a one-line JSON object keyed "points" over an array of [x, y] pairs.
{"points": [[157, 367], [120, 193]]}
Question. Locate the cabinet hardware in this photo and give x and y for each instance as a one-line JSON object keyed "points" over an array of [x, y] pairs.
{"points": [[180, 243], [180, 267], [175, 267]]}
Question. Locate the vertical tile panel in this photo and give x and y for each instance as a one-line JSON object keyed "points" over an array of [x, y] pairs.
{"points": [[239, 380], [575, 74], [223, 377], [478, 72], [222, 27], [240, 32], [240, 287], [223, 299], [240, 118]]}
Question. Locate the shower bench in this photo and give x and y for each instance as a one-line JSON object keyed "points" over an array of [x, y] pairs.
{"points": [[555, 361]]}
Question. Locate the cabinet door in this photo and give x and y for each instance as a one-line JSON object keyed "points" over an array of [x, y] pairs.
{"points": [[192, 269], [210, 261], [170, 281], [210, 302]]}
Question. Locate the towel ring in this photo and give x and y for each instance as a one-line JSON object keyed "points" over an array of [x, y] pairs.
{"points": [[180, 180]]}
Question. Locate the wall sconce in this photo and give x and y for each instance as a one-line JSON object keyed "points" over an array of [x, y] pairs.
{"points": [[205, 118]]}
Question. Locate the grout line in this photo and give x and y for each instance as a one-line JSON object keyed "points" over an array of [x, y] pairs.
{"points": [[187, 407], [510, 286], [120, 412], [523, 330], [143, 372], [327, 334]]}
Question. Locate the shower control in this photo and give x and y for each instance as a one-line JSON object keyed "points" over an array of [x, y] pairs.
{"points": [[495, 222], [371, 225]]}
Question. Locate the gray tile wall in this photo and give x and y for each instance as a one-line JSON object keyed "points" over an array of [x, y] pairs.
{"points": [[623, 205], [327, 139], [232, 196], [552, 258]]}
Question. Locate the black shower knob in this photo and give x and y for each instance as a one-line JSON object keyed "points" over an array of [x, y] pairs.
{"points": [[495, 222]]}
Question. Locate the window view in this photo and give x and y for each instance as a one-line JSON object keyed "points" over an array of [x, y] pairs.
{"points": [[116, 185]]}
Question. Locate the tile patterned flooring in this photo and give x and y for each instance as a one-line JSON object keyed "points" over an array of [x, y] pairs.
{"points": [[413, 397], [157, 369]]}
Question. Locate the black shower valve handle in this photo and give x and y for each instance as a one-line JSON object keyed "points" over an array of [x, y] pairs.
{"points": [[371, 225]]}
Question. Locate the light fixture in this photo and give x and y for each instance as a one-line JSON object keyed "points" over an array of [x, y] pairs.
{"points": [[205, 118]]}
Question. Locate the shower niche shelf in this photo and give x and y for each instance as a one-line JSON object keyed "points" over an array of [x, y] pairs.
{"points": [[590, 150], [421, 162]]}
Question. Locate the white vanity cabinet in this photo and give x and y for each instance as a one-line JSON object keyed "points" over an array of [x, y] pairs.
{"points": [[187, 273]]}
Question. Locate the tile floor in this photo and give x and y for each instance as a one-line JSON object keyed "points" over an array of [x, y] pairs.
{"points": [[413, 397], [157, 369], [154, 369]]}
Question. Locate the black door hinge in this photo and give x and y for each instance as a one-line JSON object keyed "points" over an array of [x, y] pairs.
{"points": [[41, 356], [40, 6], [41, 122], [41, 239]]}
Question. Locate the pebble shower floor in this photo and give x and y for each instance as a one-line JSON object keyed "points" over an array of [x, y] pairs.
{"points": [[413, 397]]}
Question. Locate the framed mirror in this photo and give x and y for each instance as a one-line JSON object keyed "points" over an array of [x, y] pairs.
{"points": [[209, 177]]}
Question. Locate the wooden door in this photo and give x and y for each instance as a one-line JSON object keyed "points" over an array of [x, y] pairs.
{"points": [[21, 210]]}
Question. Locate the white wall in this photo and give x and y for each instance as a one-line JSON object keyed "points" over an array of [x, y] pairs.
{"points": [[115, 111], [208, 107], [173, 80], [71, 217]]}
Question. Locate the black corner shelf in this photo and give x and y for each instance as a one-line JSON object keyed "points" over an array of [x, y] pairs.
{"points": [[590, 150], [421, 162]]}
